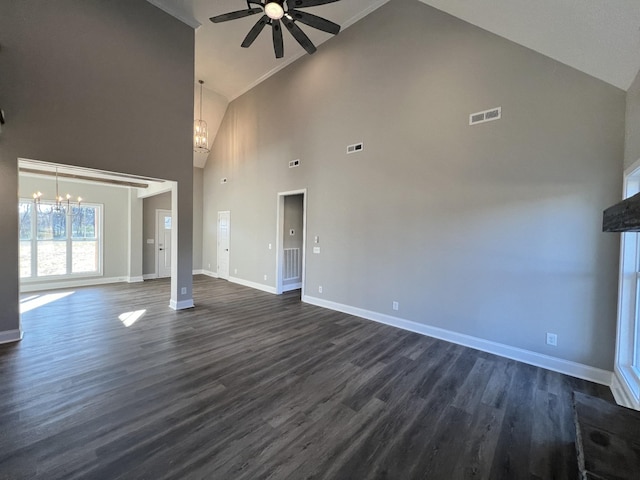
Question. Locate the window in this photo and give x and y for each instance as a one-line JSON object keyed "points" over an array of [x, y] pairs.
{"points": [[627, 363], [59, 242]]}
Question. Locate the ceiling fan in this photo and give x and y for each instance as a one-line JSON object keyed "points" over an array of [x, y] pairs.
{"points": [[276, 12]]}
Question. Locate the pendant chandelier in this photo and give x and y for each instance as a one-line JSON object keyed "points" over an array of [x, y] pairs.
{"points": [[200, 132], [60, 202]]}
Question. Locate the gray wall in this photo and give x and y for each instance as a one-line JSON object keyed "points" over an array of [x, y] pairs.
{"points": [[632, 142], [293, 220], [106, 85], [491, 231], [149, 207], [115, 201]]}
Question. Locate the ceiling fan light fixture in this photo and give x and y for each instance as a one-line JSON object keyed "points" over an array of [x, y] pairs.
{"points": [[274, 10]]}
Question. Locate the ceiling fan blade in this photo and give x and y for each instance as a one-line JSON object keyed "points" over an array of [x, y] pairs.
{"points": [[278, 44], [315, 21], [299, 35], [255, 31], [225, 17], [308, 3]]}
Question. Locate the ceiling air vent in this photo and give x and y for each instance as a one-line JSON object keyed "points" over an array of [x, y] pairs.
{"points": [[486, 116], [356, 147]]}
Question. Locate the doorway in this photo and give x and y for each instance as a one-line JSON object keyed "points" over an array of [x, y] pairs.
{"points": [[163, 241], [224, 232], [291, 241]]}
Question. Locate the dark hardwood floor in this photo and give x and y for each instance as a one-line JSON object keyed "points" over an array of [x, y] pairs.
{"points": [[251, 386]]}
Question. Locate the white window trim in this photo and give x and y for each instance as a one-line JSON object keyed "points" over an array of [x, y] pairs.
{"points": [[71, 276], [626, 381]]}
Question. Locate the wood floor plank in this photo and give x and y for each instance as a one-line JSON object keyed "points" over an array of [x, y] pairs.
{"points": [[249, 385]]}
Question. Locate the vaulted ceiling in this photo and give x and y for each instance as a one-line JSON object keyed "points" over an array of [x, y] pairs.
{"points": [[600, 38]]}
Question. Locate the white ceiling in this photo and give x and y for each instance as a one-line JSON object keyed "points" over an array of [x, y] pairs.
{"points": [[232, 70], [598, 37]]}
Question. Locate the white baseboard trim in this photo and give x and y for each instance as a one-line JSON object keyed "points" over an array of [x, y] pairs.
{"points": [[135, 279], [566, 367], [149, 276], [56, 285], [198, 272], [293, 286], [10, 336], [209, 273], [623, 392], [181, 305], [257, 286]]}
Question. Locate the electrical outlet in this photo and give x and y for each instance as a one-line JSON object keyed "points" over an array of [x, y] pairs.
{"points": [[209, 267], [183, 291], [269, 246], [395, 306], [320, 289], [552, 339], [235, 271], [265, 277]]}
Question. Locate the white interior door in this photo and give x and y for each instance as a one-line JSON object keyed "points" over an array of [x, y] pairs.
{"points": [[163, 243], [223, 244]]}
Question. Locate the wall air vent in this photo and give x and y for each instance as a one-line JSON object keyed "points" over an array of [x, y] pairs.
{"points": [[294, 163], [486, 116], [356, 147]]}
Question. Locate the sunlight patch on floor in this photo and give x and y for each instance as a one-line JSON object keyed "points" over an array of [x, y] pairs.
{"points": [[129, 318], [35, 301]]}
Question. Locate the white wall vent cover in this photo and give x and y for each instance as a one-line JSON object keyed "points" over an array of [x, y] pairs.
{"points": [[356, 147], [294, 163], [486, 116]]}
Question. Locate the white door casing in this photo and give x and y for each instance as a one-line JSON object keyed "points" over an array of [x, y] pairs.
{"points": [[163, 243], [224, 230]]}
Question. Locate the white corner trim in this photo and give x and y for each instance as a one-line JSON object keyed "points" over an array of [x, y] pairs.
{"points": [[135, 279], [374, 6], [526, 356], [209, 273], [623, 392], [149, 276], [84, 282], [10, 336], [257, 286], [181, 305]]}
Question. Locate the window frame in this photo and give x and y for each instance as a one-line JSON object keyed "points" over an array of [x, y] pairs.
{"points": [[626, 381], [34, 277]]}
